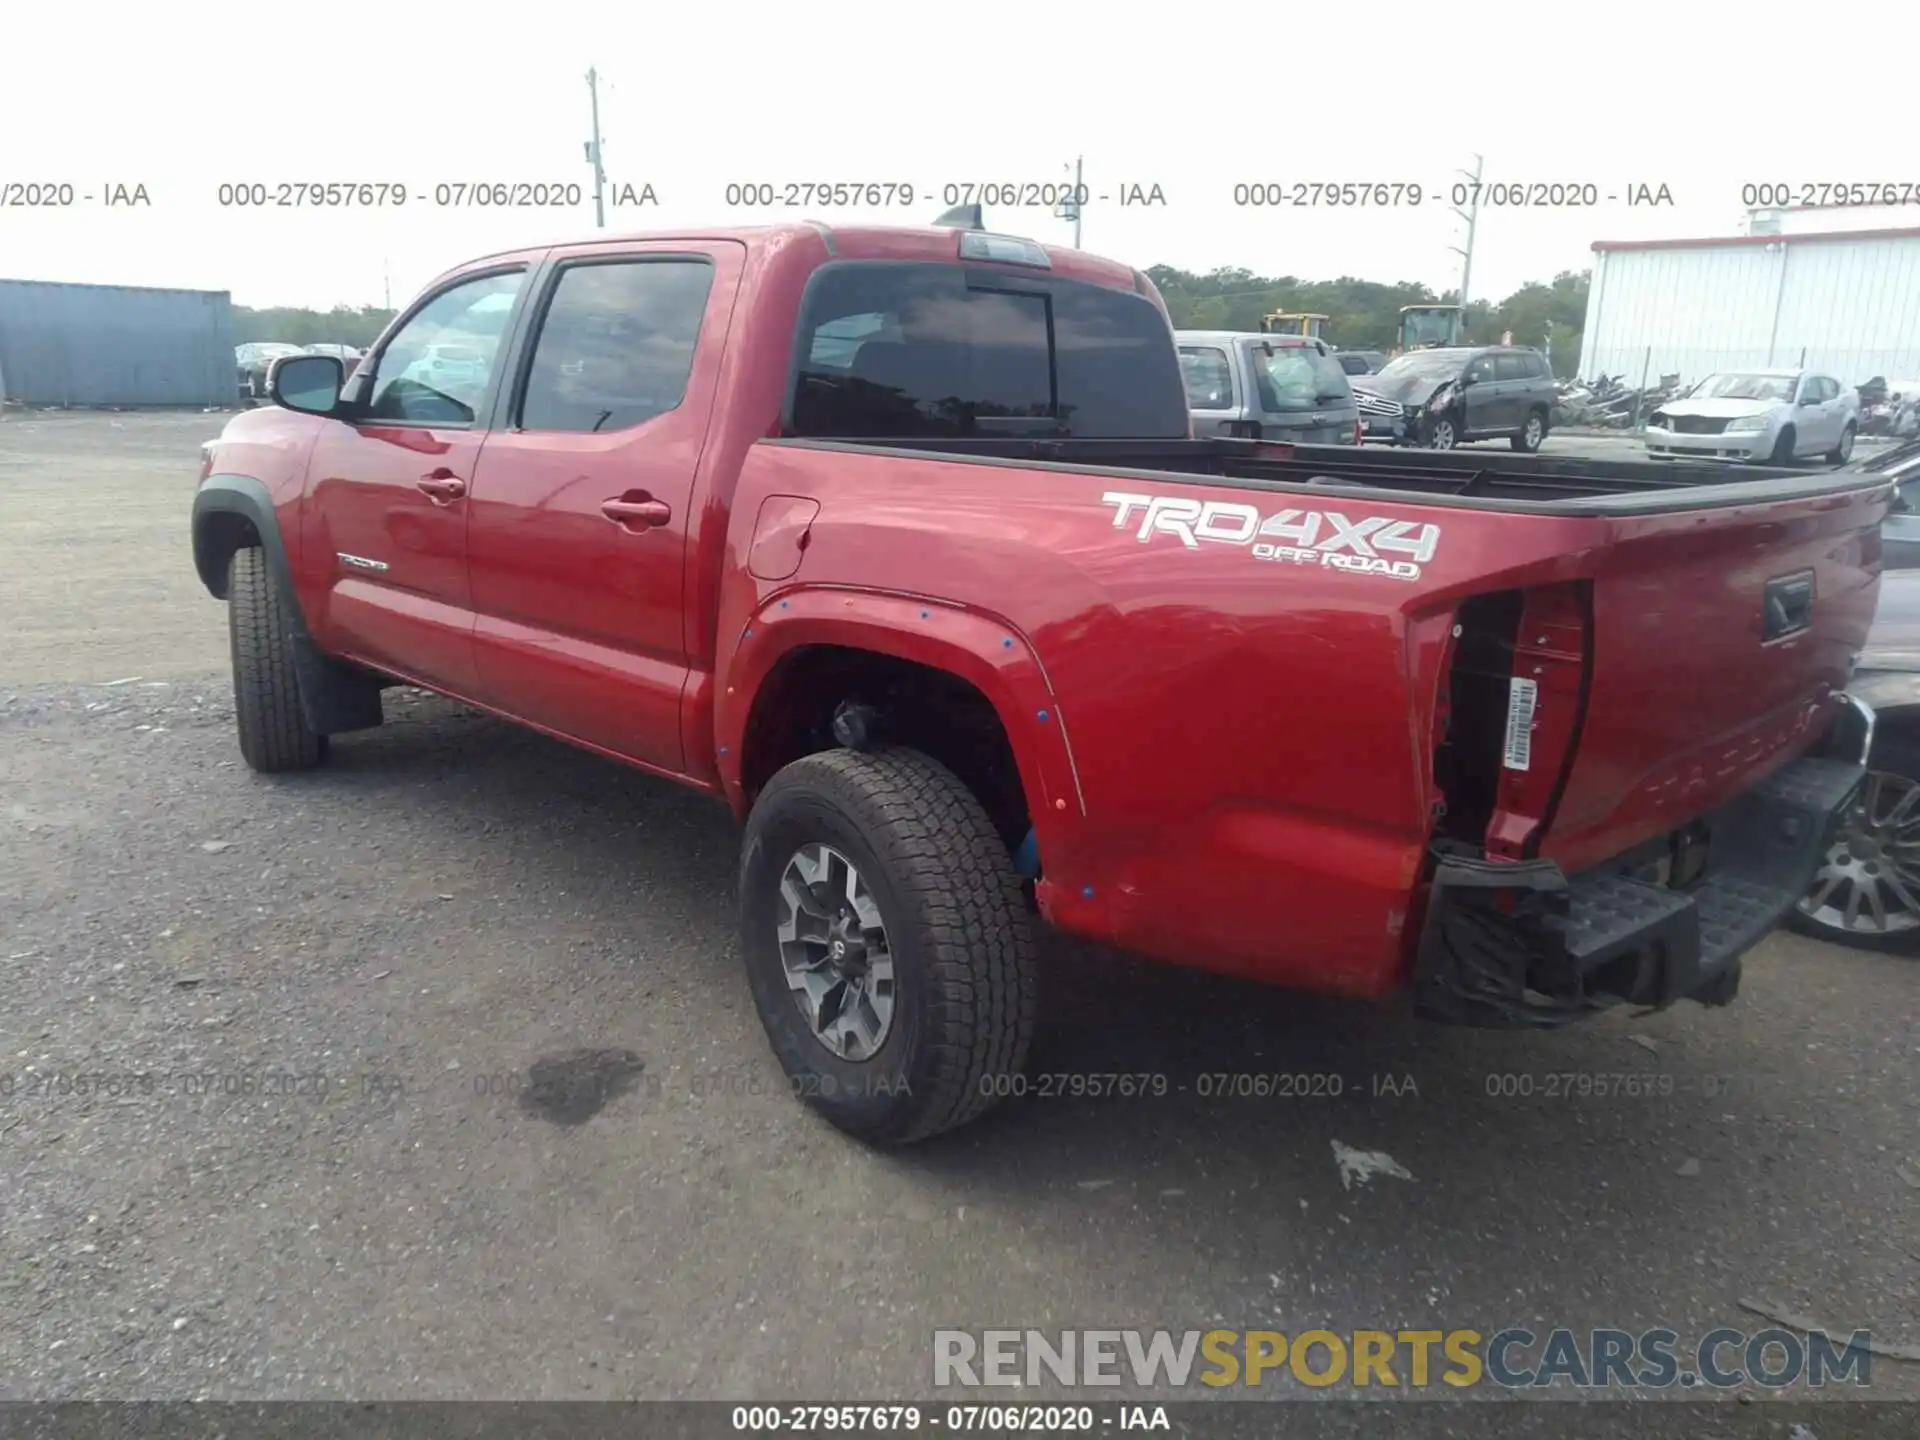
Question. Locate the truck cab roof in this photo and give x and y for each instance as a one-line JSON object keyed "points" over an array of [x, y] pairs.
{"points": [[852, 242]]}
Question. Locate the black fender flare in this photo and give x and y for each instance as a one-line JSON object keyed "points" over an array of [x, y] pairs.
{"points": [[235, 512]]}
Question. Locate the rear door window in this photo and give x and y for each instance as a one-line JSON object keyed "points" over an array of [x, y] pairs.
{"points": [[616, 345], [1511, 366], [1209, 377], [892, 349]]}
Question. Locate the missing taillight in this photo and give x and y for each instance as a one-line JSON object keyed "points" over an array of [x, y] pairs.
{"points": [[1467, 760], [1516, 695]]}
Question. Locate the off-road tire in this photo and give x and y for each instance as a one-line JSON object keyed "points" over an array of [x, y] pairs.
{"points": [[1527, 440], [1783, 448], [266, 691], [1843, 451], [964, 957]]}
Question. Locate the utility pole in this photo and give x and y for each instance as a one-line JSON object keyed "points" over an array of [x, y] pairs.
{"points": [[1069, 209], [1472, 216], [386, 276], [593, 153]]}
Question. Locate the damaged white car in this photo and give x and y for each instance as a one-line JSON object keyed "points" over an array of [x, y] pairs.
{"points": [[1771, 416]]}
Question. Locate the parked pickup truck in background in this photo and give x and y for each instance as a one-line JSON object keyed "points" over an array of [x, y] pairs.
{"points": [[898, 542]]}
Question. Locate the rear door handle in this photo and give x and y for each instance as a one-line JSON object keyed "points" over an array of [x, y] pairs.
{"points": [[636, 514], [442, 485]]}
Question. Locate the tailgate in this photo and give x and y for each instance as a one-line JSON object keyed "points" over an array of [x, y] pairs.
{"points": [[1716, 642]]}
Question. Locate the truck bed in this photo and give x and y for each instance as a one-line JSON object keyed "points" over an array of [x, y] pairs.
{"points": [[1534, 484]]}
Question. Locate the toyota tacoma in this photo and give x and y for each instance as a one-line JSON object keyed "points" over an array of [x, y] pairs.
{"points": [[898, 542]]}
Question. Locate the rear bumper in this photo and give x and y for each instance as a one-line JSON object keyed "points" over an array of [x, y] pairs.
{"points": [[1523, 946]]}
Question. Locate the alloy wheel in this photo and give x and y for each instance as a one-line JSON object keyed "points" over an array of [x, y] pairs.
{"points": [[833, 946], [1869, 884]]}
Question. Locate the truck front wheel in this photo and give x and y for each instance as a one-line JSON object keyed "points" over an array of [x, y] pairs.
{"points": [[887, 943], [266, 691]]}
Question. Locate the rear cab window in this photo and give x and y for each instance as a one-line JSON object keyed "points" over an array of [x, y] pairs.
{"points": [[910, 349]]}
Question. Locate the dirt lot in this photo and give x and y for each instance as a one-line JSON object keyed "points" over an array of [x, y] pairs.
{"points": [[453, 914]]}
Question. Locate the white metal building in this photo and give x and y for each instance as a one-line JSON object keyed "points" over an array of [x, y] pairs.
{"points": [[1843, 301]]}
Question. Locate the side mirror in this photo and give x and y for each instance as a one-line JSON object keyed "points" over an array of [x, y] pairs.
{"points": [[310, 384]]}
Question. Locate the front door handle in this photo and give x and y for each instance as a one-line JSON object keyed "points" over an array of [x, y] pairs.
{"points": [[636, 514], [442, 485]]}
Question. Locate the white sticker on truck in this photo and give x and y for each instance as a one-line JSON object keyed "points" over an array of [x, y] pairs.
{"points": [[1372, 545], [1520, 702]]}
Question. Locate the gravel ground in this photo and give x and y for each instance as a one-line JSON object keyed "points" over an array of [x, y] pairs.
{"points": [[431, 1074]]}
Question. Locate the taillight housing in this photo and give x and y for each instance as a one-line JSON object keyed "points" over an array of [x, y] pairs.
{"points": [[1509, 717]]}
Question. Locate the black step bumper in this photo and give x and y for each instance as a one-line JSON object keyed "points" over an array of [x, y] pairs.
{"points": [[1520, 945]]}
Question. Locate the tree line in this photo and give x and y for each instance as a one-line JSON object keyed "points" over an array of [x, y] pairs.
{"points": [[290, 325], [1363, 314]]}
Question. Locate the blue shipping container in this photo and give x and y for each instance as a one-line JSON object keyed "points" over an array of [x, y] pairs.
{"points": [[115, 345]]}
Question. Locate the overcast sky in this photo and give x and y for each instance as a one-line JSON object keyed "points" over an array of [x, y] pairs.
{"points": [[185, 97]]}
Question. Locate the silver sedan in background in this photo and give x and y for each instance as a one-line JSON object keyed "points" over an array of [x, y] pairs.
{"points": [[1775, 416]]}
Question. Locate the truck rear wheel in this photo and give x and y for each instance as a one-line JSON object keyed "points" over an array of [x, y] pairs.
{"points": [[887, 943], [266, 691]]}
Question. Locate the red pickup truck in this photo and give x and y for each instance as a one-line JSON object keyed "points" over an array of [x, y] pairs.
{"points": [[897, 541]]}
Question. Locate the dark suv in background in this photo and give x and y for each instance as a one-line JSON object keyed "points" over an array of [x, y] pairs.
{"points": [[1443, 398]]}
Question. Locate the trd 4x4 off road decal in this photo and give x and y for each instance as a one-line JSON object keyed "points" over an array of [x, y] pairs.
{"points": [[1296, 537]]}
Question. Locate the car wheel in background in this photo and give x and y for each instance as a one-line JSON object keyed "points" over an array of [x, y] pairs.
{"points": [[1867, 892], [1439, 434], [1782, 448], [1533, 434], [1843, 452]]}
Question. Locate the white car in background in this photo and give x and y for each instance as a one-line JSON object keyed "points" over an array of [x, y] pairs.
{"points": [[1774, 416], [452, 369]]}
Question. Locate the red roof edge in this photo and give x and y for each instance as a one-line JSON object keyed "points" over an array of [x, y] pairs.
{"points": [[1903, 233]]}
